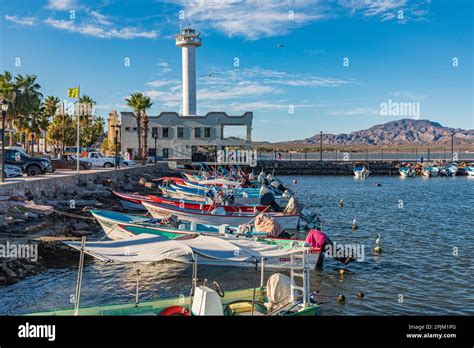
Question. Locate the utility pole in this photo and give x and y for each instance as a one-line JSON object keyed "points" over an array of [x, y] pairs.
{"points": [[321, 146]]}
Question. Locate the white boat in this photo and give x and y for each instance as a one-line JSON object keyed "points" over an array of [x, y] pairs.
{"points": [[218, 217], [430, 171], [469, 170], [361, 170], [216, 251], [407, 172]]}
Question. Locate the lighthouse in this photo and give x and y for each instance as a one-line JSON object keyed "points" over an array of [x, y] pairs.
{"points": [[188, 40]]}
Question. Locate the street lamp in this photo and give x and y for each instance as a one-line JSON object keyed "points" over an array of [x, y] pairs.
{"points": [[4, 116], [321, 146], [452, 146], [117, 163], [155, 136]]}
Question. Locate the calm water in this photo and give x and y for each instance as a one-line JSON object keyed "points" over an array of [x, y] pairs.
{"points": [[417, 264]]}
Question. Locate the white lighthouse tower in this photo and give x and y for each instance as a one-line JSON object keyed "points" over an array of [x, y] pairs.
{"points": [[188, 40]]}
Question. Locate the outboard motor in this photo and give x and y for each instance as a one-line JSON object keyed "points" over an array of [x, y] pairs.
{"points": [[269, 199]]}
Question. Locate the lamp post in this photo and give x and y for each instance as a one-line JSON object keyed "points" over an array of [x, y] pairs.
{"points": [[4, 116], [155, 136], [321, 146], [116, 137], [452, 146]]}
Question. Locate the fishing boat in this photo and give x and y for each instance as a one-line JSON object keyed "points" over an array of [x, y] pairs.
{"points": [[218, 216], [189, 204], [469, 170], [281, 295], [407, 172], [430, 171], [449, 170], [131, 201], [361, 170]]}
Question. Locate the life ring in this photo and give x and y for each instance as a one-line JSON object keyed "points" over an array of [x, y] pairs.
{"points": [[175, 310]]}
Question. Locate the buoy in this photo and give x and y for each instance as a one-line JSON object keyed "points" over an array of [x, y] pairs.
{"points": [[354, 225], [341, 299], [342, 271], [360, 294], [378, 250], [341, 203], [295, 181]]}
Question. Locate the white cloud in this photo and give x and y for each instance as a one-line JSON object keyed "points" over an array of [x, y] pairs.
{"points": [[21, 21], [61, 5], [164, 67], [407, 95], [160, 83], [100, 18], [94, 30], [254, 19], [387, 9]]}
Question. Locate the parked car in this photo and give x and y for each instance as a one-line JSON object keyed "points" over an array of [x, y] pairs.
{"points": [[30, 165], [12, 171], [98, 160], [70, 162]]}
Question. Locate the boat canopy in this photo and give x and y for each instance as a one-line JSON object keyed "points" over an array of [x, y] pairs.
{"points": [[150, 248]]}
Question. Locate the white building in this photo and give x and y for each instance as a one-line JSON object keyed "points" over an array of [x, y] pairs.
{"points": [[185, 136]]}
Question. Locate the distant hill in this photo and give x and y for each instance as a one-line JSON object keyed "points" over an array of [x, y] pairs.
{"points": [[401, 132]]}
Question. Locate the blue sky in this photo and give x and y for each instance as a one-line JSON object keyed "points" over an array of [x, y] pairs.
{"points": [[290, 54]]}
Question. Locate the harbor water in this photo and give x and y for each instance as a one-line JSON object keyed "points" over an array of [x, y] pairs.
{"points": [[426, 266]]}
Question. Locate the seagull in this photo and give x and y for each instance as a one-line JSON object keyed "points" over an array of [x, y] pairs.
{"points": [[354, 222], [279, 46], [377, 241], [341, 203]]}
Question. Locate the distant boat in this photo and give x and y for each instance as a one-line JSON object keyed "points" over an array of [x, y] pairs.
{"points": [[430, 171], [407, 172], [469, 170], [132, 201], [361, 170], [450, 170]]}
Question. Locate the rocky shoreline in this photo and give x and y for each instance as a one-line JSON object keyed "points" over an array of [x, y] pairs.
{"points": [[57, 216]]}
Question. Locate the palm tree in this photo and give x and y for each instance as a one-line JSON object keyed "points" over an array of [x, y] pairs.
{"points": [[27, 101], [146, 104], [50, 105], [85, 99], [8, 90], [135, 101]]}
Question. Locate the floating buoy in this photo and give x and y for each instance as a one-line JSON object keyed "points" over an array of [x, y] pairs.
{"points": [[295, 181], [354, 225], [378, 250], [341, 299], [342, 271], [360, 295], [341, 203]]}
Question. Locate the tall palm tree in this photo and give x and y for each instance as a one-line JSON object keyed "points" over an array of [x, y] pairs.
{"points": [[146, 104], [8, 90], [28, 101], [135, 101], [51, 106], [85, 99]]}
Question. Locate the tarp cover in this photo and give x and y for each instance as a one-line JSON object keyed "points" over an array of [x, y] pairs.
{"points": [[219, 182], [150, 248], [265, 223]]}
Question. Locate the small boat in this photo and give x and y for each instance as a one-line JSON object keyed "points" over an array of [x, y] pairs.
{"points": [[407, 172], [430, 171], [469, 170], [218, 216], [189, 204], [449, 170], [281, 296], [361, 170], [132, 201]]}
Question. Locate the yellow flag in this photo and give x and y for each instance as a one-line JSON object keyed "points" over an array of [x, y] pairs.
{"points": [[73, 92]]}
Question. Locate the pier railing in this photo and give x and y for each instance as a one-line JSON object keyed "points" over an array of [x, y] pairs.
{"points": [[382, 156]]}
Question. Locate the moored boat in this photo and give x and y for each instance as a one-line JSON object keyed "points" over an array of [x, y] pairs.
{"points": [[361, 170]]}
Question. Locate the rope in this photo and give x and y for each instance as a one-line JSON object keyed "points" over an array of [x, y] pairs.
{"points": [[72, 214]]}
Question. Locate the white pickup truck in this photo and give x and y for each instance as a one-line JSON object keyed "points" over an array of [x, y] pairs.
{"points": [[98, 160]]}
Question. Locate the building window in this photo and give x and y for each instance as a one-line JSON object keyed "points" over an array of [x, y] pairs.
{"points": [[166, 132], [134, 129], [166, 153], [207, 132], [180, 132], [154, 132], [127, 129], [197, 132]]}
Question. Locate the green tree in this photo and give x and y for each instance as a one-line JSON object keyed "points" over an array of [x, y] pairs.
{"points": [[140, 103]]}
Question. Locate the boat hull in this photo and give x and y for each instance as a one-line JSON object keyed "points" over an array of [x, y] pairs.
{"points": [[287, 222]]}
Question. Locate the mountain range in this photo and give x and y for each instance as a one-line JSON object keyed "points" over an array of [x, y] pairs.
{"points": [[401, 132]]}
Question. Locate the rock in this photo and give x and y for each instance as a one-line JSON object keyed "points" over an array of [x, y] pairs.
{"points": [[10, 220], [82, 233], [30, 215], [80, 226], [9, 272], [4, 198], [19, 221], [150, 185], [128, 187], [142, 181]]}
